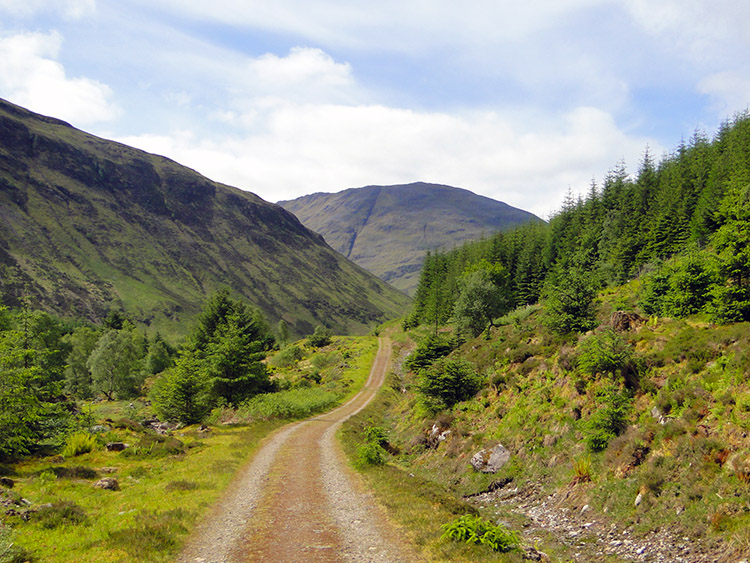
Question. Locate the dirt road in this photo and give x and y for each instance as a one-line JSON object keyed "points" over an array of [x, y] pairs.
{"points": [[297, 501]]}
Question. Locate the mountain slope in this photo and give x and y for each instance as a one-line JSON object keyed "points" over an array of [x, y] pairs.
{"points": [[388, 229], [87, 223]]}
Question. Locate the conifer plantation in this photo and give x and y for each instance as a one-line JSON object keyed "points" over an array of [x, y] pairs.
{"points": [[680, 223]]}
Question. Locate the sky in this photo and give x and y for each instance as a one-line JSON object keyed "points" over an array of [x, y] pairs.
{"points": [[523, 102]]}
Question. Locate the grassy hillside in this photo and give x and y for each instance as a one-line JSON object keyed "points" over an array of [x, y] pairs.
{"points": [[88, 224], [646, 428], [388, 229]]}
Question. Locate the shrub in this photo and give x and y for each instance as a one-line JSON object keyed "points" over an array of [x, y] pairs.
{"points": [[609, 420], [449, 381], [73, 472], [569, 303], [320, 337], [428, 351], [60, 513], [155, 446], [607, 352], [78, 444], [370, 453], [183, 392], [181, 486], [293, 403], [474, 529], [373, 451], [287, 357]]}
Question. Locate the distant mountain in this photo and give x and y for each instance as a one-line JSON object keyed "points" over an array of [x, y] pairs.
{"points": [[86, 224], [388, 229]]}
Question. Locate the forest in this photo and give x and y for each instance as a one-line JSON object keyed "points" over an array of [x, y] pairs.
{"points": [[50, 365], [680, 224]]}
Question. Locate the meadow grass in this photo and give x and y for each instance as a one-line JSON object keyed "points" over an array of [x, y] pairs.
{"points": [[165, 483]]}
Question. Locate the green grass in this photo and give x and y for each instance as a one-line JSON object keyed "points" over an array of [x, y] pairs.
{"points": [[293, 403], [165, 483], [693, 468], [151, 514]]}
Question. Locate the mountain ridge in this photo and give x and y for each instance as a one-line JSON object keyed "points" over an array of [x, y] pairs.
{"points": [[388, 229], [88, 224]]}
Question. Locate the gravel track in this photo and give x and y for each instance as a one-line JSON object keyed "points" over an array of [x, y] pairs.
{"points": [[298, 501]]}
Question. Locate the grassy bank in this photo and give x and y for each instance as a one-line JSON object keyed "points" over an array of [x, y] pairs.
{"points": [[657, 413]]}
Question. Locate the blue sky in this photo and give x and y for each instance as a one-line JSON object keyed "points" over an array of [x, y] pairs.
{"points": [[519, 101]]}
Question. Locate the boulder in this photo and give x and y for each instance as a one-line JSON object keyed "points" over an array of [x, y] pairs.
{"points": [[490, 460], [108, 484], [7, 482], [116, 446]]}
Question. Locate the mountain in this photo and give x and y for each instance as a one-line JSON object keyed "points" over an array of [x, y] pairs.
{"points": [[388, 229], [87, 224]]}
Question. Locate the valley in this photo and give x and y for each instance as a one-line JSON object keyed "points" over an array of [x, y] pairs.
{"points": [[567, 390]]}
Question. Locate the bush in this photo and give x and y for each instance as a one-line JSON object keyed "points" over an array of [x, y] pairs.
{"points": [[10, 552], [183, 392], [78, 444], [370, 453], [569, 303], [373, 451], [73, 472], [320, 337], [428, 351], [287, 357], [609, 420], [607, 352], [474, 529], [152, 534], [450, 381], [155, 446], [60, 513], [293, 403]]}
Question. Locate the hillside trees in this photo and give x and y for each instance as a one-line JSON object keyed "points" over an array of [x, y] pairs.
{"points": [[484, 294], [221, 362], [31, 365], [683, 220], [114, 363]]}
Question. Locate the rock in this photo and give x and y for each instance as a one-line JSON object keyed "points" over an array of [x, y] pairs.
{"points": [[99, 429], [622, 321], [533, 554], [116, 446], [436, 435], [7, 482], [638, 499], [491, 460], [107, 470], [161, 427], [108, 484], [658, 416]]}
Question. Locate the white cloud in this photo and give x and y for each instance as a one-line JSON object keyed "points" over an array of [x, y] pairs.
{"points": [[389, 24], [68, 9], [328, 147], [730, 89], [31, 76], [305, 74]]}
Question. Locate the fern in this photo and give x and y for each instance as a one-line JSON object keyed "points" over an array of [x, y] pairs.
{"points": [[474, 529]]}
